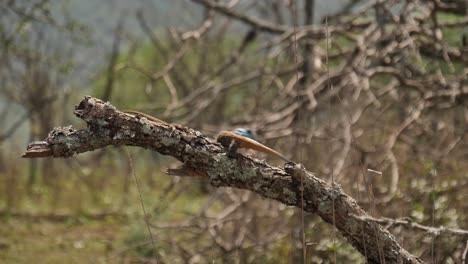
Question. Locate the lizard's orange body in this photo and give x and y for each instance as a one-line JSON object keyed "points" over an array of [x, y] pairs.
{"points": [[226, 137]]}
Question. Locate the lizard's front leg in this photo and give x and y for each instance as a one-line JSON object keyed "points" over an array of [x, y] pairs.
{"points": [[232, 148]]}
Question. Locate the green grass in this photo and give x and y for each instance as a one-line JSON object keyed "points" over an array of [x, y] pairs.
{"points": [[30, 241], [37, 236]]}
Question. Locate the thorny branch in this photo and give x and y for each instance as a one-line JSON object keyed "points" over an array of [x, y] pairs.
{"points": [[408, 223]]}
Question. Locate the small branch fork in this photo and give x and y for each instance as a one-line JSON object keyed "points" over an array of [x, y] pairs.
{"points": [[108, 126]]}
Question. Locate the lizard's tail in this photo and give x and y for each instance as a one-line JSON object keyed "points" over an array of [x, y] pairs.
{"points": [[252, 144], [281, 156]]}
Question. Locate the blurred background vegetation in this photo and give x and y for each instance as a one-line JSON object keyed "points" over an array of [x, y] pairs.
{"points": [[372, 95]]}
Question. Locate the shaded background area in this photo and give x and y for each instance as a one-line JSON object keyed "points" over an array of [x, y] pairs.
{"points": [[373, 97]]}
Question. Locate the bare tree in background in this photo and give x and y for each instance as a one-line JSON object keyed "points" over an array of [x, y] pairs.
{"points": [[35, 67]]}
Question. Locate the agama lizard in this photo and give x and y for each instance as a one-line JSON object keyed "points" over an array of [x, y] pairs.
{"points": [[243, 138], [231, 140]]}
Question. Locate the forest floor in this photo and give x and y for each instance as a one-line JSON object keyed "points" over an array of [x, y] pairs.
{"points": [[74, 240]]}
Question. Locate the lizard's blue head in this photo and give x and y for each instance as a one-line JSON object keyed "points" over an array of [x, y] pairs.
{"points": [[244, 132]]}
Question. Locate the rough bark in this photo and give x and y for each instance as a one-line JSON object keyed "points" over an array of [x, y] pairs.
{"points": [[108, 126]]}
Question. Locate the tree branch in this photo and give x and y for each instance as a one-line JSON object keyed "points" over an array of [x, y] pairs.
{"points": [[108, 126], [266, 26]]}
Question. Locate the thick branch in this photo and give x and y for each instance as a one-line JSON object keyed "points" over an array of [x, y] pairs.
{"points": [[108, 126]]}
